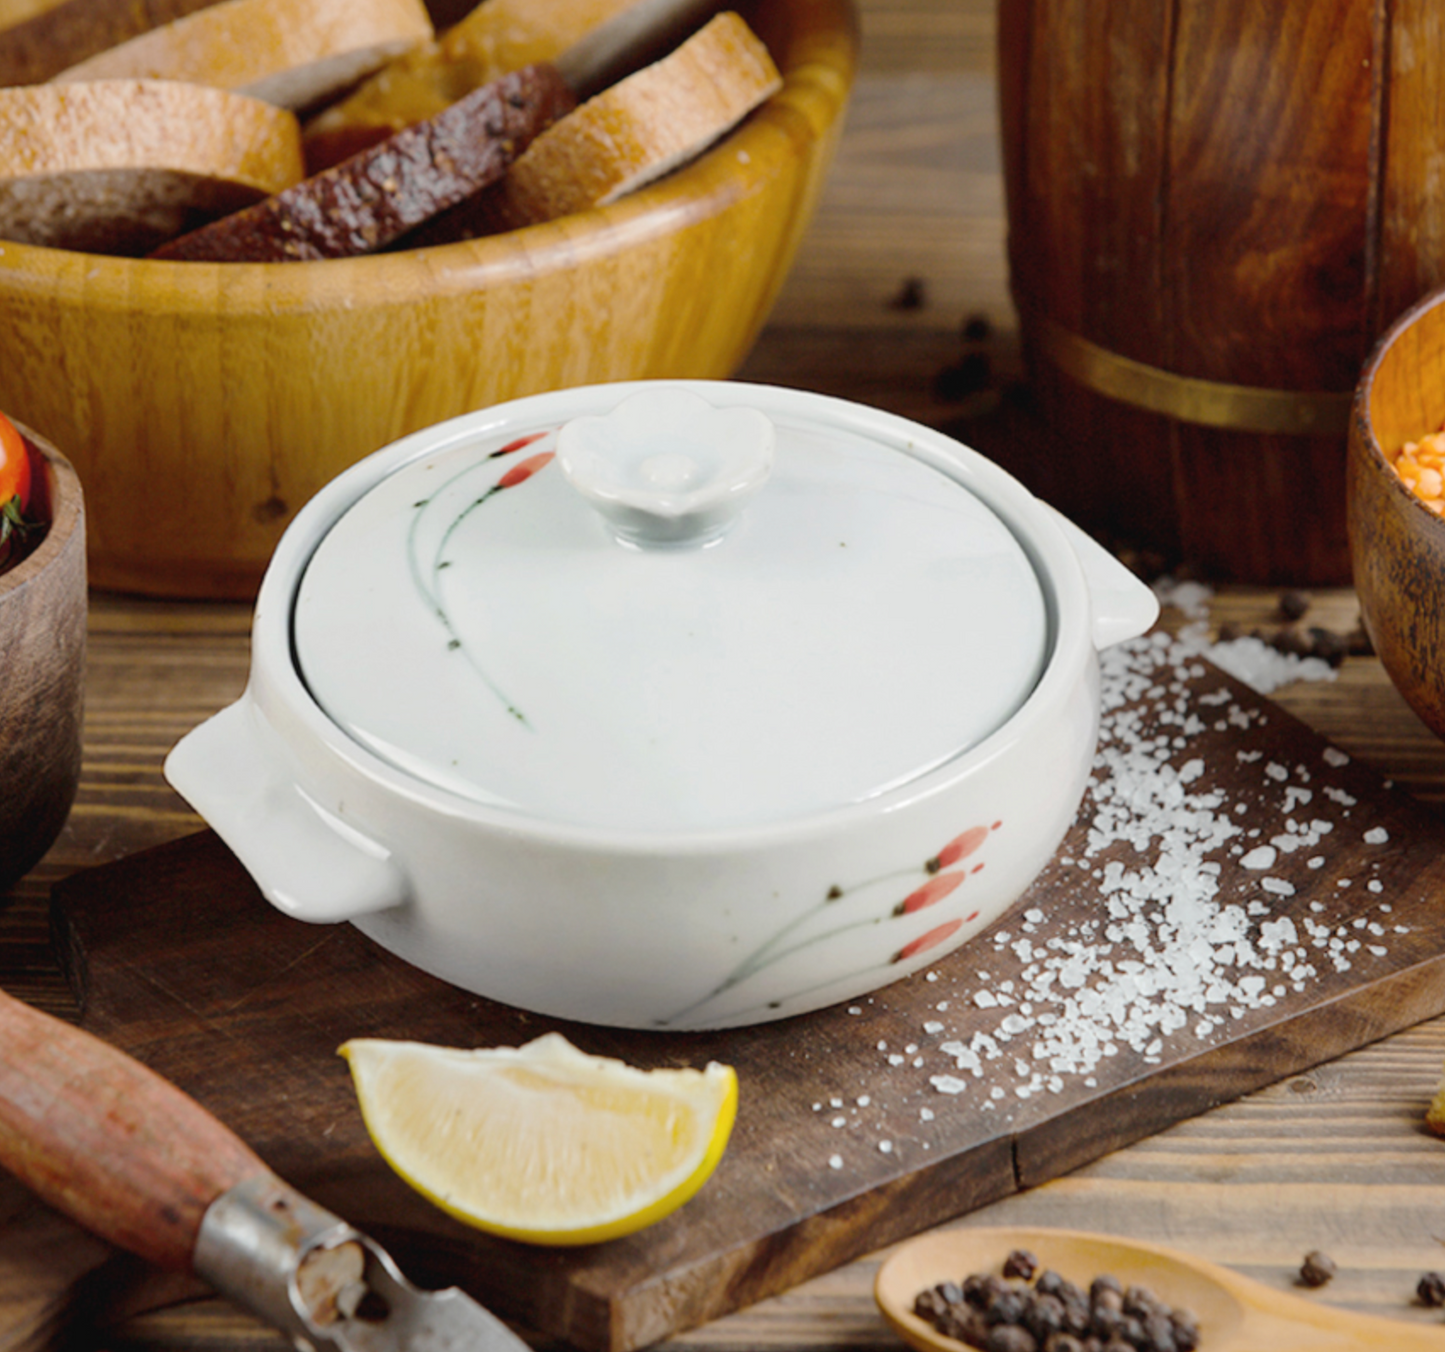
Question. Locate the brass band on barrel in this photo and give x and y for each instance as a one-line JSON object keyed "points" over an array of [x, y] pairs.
{"points": [[1210, 403]]}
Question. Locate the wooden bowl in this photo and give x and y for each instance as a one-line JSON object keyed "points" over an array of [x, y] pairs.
{"points": [[1397, 545], [42, 656], [203, 403]]}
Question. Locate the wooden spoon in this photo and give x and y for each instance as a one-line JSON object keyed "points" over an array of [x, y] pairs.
{"points": [[1235, 1313]]}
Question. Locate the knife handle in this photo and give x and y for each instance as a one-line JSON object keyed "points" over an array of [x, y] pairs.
{"points": [[106, 1140]]}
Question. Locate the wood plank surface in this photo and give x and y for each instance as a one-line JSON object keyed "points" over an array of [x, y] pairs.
{"points": [[1334, 1157], [865, 1122]]}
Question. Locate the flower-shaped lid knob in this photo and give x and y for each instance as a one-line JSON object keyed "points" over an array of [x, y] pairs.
{"points": [[666, 468]]}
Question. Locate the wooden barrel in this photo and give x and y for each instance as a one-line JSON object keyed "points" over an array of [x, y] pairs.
{"points": [[1214, 209]]}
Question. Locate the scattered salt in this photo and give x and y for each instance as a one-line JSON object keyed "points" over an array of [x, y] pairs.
{"points": [[1181, 944], [1264, 669]]}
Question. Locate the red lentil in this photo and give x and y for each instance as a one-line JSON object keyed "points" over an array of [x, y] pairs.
{"points": [[1421, 467]]}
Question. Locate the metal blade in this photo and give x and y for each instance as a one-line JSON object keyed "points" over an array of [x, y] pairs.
{"points": [[327, 1285], [419, 1321]]}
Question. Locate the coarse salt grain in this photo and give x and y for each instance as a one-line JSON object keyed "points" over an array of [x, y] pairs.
{"points": [[1167, 960]]}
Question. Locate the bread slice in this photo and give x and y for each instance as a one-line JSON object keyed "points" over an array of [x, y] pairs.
{"points": [[117, 166], [365, 202], [498, 36], [631, 134], [13, 12], [60, 36], [294, 53]]}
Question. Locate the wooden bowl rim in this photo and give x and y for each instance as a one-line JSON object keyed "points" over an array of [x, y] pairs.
{"points": [[67, 515], [816, 87], [1363, 443]]}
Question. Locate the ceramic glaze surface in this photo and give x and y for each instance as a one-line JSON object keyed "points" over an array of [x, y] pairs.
{"points": [[475, 621]]}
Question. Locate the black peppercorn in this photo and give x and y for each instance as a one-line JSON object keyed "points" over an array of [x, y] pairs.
{"points": [[1317, 1268], [929, 1304], [1431, 1289], [1063, 1342], [1159, 1334], [1020, 1263], [1293, 604], [1105, 1319], [1186, 1329], [1076, 1311], [1010, 1338], [1007, 1307], [1049, 1283], [975, 1290], [1105, 1283], [1044, 1316]]}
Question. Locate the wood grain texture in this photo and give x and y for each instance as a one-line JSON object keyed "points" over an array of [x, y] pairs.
{"points": [[284, 378], [42, 653], [1239, 195], [109, 1142], [1332, 1157], [1237, 1312], [176, 956], [1397, 546]]}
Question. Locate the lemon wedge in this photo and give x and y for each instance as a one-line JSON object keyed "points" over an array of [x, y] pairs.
{"points": [[543, 1142]]}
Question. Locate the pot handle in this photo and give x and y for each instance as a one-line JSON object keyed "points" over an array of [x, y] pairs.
{"points": [[1123, 607], [307, 861]]}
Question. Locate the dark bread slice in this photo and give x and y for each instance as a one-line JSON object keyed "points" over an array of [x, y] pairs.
{"points": [[59, 37], [364, 203]]}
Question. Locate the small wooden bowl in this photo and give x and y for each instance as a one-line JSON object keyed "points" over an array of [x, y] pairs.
{"points": [[42, 658], [204, 403], [1397, 545]]}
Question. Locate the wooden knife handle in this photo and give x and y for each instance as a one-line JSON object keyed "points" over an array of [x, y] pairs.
{"points": [[108, 1141]]}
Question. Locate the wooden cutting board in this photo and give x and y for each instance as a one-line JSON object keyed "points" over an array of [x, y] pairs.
{"points": [[1236, 902]]}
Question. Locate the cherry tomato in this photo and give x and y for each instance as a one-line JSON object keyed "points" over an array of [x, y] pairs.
{"points": [[14, 466], [14, 490]]}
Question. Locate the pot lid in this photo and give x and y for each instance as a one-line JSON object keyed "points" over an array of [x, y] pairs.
{"points": [[669, 615]]}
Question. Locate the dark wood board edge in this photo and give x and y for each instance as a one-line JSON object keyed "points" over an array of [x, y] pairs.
{"points": [[581, 1307], [621, 1301], [1264, 1057]]}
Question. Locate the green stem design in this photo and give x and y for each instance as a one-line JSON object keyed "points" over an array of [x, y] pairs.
{"points": [[426, 577]]}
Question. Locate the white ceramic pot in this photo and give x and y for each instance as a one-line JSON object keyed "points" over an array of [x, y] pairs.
{"points": [[796, 717]]}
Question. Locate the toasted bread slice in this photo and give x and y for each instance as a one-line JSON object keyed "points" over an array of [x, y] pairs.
{"points": [[116, 166], [13, 12], [362, 204], [498, 36], [629, 135], [43, 44], [294, 53]]}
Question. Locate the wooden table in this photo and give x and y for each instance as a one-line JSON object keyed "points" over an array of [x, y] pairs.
{"points": [[908, 246]]}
